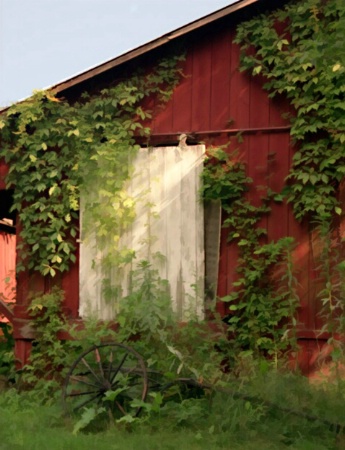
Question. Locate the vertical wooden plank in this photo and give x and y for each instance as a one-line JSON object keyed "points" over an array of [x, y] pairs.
{"points": [[136, 237], [90, 273], [301, 258], [258, 143], [224, 286], [140, 192], [317, 281], [188, 233], [232, 265], [212, 220], [220, 82], [241, 146], [278, 169], [174, 227], [303, 356], [70, 285], [162, 121], [3, 173], [157, 228], [120, 276], [257, 171], [278, 107], [201, 89], [259, 110], [22, 350], [182, 98], [239, 91], [192, 233], [199, 258], [23, 278]]}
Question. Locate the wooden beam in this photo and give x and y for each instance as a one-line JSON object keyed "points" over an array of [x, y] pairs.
{"points": [[6, 311]]}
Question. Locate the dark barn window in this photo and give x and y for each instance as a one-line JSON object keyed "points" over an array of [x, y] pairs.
{"points": [[7, 218]]}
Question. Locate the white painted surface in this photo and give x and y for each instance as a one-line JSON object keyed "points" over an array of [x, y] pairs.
{"points": [[169, 222]]}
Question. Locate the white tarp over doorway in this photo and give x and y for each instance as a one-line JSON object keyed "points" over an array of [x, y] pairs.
{"points": [[169, 223]]}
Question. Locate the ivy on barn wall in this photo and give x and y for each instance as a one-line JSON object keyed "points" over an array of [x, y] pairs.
{"points": [[263, 299], [53, 148], [299, 52]]}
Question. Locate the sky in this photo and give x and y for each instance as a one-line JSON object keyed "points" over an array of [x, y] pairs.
{"points": [[43, 42]]}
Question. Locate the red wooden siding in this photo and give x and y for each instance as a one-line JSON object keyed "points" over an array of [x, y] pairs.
{"points": [[214, 96], [7, 255], [7, 268], [3, 173]]}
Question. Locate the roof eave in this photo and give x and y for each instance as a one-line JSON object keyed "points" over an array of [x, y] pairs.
{"points": [[138, 51], [151, 45]]}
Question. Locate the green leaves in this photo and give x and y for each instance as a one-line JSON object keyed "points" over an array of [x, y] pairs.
{"points": [[261, 309], [54, 149], [89, 415], [297, 50], [223, 178], [304, 62]]}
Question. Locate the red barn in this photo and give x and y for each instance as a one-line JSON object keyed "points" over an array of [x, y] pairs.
{"points": [[213, 102]]}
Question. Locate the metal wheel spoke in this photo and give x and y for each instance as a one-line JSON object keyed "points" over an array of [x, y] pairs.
{"points": [[110, 365], [120, 408], [79, 379], [99, 361], [77, 394], [134, 384], [87, 401], [119, 367], [86, 364]]}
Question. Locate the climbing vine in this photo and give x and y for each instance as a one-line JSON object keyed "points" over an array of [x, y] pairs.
{"points": [[263, 298], [56, 150], [299, 53]]}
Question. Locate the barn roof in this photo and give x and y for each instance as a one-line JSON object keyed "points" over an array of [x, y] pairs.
{"points": [[154, 44]]}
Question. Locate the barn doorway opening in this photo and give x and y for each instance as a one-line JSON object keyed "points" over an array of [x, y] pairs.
{"points": [[167, 232]]}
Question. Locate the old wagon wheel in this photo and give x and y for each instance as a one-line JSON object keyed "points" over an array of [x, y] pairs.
{"points": [[110, 375]]}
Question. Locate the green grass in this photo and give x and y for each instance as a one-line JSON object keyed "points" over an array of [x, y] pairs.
{"points": [[262, 413]]}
